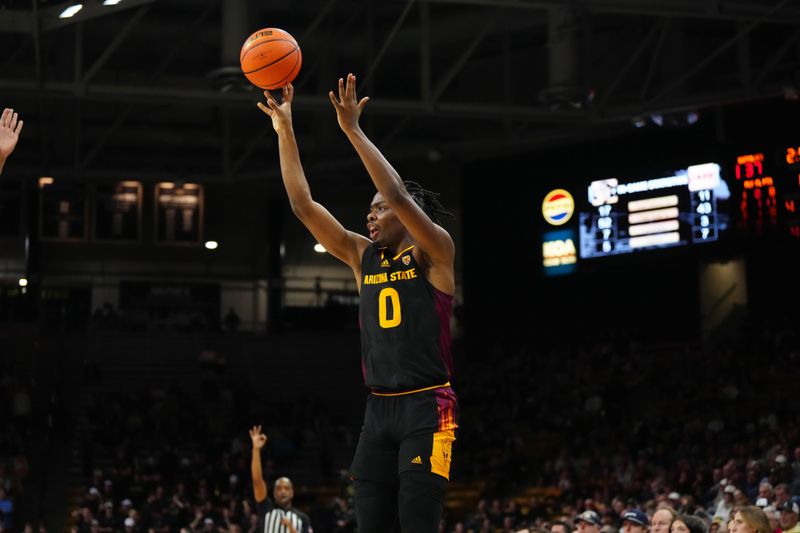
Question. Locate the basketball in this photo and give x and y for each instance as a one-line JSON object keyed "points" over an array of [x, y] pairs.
{"points": [[270, 58]]}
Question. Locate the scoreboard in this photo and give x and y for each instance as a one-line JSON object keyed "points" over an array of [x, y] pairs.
{"points": [[748, 199], [768, 194], [624, 216]]}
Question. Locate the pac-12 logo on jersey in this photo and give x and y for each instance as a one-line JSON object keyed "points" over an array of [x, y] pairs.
{"points": [[406, 260]]}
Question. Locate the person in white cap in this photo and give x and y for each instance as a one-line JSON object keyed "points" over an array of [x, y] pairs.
{"points": [[725, 506], [674, 499], [588, 522]]}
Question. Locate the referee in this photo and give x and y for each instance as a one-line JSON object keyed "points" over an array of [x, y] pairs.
{"points": [[277, 517]]}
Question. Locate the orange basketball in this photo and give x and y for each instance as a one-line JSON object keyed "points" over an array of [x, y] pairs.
{"points": [[270, 58]]}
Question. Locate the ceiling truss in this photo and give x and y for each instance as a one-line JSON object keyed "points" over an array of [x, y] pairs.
{"points": [[457, 76]]}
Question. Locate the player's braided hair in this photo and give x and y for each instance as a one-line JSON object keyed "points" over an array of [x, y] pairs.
{"points": [[427, 200]]}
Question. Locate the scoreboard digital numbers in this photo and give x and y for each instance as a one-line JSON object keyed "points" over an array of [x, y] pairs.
{"points": [[673, 210], [768, 194]]}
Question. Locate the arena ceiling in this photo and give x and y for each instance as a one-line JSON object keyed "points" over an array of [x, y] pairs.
{"points": [[152, 88]]}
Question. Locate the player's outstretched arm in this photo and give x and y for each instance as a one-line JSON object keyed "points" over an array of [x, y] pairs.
{"points": [[431, 238], [259, 486], [10, 128], [345, 245]]}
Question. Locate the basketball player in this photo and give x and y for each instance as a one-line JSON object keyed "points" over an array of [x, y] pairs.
{"points": [[279, 517], [405, 274], [10, 129]]}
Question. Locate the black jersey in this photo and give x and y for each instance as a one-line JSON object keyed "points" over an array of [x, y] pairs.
{"points": [[405, 324]]}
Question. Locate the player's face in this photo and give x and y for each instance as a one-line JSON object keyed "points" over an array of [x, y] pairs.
{"points": [[382, 223]]}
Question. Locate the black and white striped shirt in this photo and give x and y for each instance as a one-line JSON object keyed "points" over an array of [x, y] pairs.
{"points": [[272, 516]]}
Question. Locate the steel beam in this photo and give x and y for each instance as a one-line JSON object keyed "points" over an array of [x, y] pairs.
{"points": [[612, 87], [109, 50], [741, 34], [459, 63], [202, 97], [690, 9], [387, 43], [386, 107]]}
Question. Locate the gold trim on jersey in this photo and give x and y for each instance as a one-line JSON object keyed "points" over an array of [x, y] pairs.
{"points": [[410, 391], [401, 253], [383, 251]]}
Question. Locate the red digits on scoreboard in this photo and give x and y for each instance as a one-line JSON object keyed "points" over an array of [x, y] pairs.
{"points": [[791, 155]]}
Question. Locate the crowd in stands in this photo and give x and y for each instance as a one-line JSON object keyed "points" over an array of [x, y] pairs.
{"points": [[550, 433], [15, 414], [178, 456]]}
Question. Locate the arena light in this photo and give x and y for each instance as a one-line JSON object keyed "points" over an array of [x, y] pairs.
{"points": [[70, 11], [212, 245], [111, 2], [23, 282], [319, 248]]}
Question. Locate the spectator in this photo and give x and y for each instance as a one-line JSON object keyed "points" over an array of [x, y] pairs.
{"points": [[674, 499], [750, 519], [789, 513], [765, 491], [232, 320], [774, 518], [740, 499], [635, 521], [725, 506], [796, 465], [662, 519], [688, 524], [782, 495], [6, 511], [560, 526], [589, 522]]}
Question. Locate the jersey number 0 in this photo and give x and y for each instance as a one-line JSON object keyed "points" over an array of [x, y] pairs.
{"points": [[386, 296]]}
